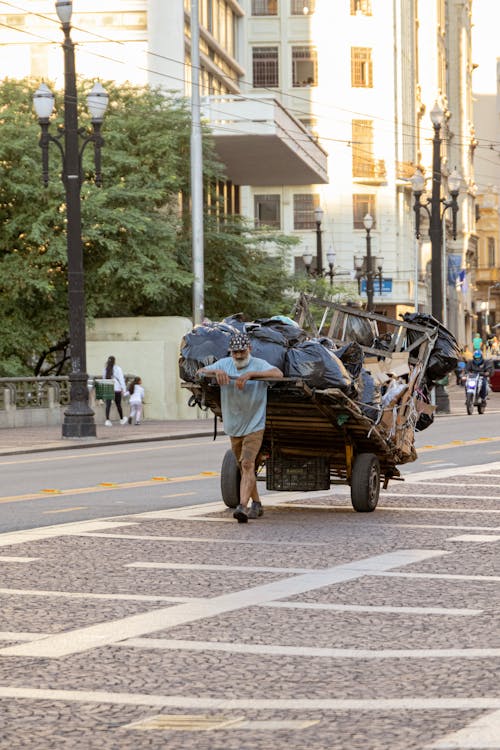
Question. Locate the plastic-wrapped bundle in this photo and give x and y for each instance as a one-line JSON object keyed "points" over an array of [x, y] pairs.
{"points": [[202, 346], [352, 356], [293, 333], [359, 329], [268, 344], [318, 365], [369, 396], [445, 353]]}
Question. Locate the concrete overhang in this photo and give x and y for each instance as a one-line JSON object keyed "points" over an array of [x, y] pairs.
{"points": [[260, 143]]}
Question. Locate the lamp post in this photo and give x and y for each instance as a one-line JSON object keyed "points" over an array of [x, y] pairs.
{"points": [[433, 208], [318, 217], [330, 257], [363, 266], [78, 417]]}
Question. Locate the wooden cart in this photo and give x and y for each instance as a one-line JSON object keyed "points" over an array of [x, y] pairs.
{"points": [[314, 438]]}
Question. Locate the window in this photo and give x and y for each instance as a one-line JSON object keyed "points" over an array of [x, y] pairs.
{"points": [[363, 204], [303, 210], [361, 7], [267, 211], [265, 67], [264, 7], [302, 7], [362, 148], [361, 67], [491, 252], [304, 66]]}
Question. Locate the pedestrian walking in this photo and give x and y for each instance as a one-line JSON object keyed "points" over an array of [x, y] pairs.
{"points": [[241, 378], [112, 371], [477, 342], [135, 393]]}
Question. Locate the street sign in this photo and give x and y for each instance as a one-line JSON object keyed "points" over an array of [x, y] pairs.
{"points": [[386, 287]]}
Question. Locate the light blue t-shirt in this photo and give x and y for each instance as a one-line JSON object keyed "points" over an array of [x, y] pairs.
{"points": [[243, 411]]}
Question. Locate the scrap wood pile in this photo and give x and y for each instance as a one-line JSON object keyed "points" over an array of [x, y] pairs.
{"points": [[388, 384]]}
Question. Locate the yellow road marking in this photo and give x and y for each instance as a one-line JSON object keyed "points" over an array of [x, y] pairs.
{"points": [[179, 494], [65, 510], [454, 443], [105, 487]]}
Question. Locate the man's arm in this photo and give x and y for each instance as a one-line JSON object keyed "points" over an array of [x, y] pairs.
{"points": [[220, 375], [273, 372]]}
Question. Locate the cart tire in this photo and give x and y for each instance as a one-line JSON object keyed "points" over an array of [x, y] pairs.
{"points": [[365, 485], [230, 476], [469, 404]]}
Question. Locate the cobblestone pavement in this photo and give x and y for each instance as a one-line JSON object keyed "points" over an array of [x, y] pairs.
{"points": [[312, 627]]}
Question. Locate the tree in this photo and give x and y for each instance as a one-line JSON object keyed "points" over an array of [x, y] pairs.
{"points": [[136, 240]]}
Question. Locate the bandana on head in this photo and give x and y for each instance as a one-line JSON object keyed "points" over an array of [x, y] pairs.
{"points": [[238, 342]]}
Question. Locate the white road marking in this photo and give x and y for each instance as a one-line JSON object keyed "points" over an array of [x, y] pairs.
{"points": [[438, 526], [64, 529], [83, 639], [6, 558], [481, 734], [447, 611], [9, 635], [483, 469], [463, 496], [259, 704], [260, 649], [475, 538]]}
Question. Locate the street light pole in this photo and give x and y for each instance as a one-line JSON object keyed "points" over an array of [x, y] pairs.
{"points": [[78, 417], [318, 215], [433, 209], [435, 230], [368, 223]]}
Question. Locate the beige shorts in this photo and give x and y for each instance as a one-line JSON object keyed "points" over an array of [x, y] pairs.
{"points": [[247, 446]]}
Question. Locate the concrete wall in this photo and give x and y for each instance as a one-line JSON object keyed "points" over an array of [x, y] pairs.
{"points": [[148, 347]]}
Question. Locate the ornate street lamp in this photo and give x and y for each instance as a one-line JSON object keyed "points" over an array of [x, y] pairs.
{"points": [[432, 207], [330, 257], [78, 417], [318, 217], [363, 265]]}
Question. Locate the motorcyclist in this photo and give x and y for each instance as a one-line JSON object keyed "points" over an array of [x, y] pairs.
{"points": [[479, 365]]}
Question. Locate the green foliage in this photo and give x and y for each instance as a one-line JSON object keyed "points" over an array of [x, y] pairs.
{"points": [[135, 230]]}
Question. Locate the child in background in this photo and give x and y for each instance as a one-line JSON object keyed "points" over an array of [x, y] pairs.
{"points": [[136, 399]]}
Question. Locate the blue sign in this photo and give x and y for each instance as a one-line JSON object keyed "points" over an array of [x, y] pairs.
{"points": [[386, 286]]}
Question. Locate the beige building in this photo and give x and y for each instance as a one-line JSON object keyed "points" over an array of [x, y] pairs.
{"points": [[313, 103]]}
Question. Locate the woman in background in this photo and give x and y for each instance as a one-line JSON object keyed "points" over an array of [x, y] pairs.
{"points": [[113, 372]]}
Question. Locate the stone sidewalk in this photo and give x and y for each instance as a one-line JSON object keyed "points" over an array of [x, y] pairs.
{"points": [[32, 439]]}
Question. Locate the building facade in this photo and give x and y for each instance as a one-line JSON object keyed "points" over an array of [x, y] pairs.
{"points": [[313, 103]]}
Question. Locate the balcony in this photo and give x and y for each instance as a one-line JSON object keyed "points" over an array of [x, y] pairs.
{"points": [[260, 143], [369, 171], [487, 275]]}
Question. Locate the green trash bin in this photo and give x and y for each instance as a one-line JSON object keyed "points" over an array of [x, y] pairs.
{"points": [[104, 389]]}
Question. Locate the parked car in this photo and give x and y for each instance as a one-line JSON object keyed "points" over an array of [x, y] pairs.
{"points": [[495, 377]]}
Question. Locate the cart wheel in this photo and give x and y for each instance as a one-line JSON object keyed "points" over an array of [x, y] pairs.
{"points": [[365, 485], [230, 480]]}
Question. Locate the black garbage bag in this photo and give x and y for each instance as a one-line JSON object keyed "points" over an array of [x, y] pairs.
{"points": [[352, 356], [237, 321], [202, 346], [445, 353], [424, 420], [318, 365], [268, 344], [293, 333], [359, 329], [369, 395]]}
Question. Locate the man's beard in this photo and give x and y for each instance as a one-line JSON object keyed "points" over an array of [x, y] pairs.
{"points": [[242, 363]]}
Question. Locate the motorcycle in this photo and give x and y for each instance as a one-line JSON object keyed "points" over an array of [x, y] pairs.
{"points": [[472, 390]]}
